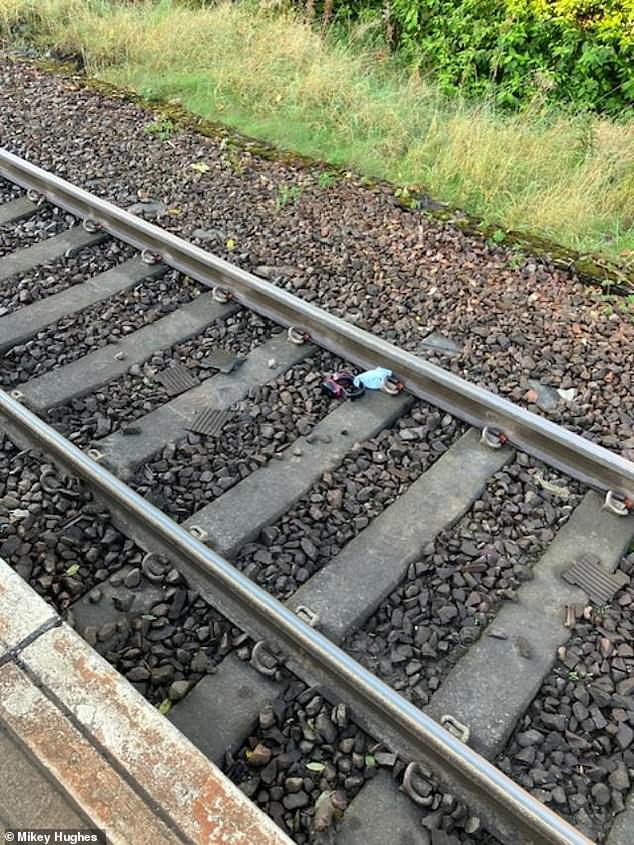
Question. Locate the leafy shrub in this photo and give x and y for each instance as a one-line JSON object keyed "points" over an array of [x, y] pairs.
{"points": [[519, 51]]}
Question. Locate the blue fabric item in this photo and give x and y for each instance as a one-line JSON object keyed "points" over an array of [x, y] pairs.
{"points": [[372, 379]]}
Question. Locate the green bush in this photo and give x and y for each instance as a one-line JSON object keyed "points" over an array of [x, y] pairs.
{"points": [[519, 51]]}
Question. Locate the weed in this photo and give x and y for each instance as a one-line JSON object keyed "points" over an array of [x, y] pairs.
{"points": [[615, 302], [327, 179], [286, 195], [517, 259], [162, 127], [574, 675], [406, 198], [231, 157], [498, 237], [626, 306]]}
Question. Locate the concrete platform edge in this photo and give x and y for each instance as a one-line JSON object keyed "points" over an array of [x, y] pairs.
{"points": [[115, 760]]}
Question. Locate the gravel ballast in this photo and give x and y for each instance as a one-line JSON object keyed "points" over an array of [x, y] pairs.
{"points": [[137, 393], [522, 326], [53, 533], [45, 223], [189, 474], [106, 322], [346, 500], [9, 191], [307, 760], [48, 279], [159, 633], [574, 748], [418, 634]]}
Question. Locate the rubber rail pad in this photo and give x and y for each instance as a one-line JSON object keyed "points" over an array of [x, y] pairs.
{"points": [[209, 422], [600, 585], [176, 379], [221, 359]]}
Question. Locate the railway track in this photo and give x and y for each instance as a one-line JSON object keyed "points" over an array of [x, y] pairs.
{"points": [[115, 337]]}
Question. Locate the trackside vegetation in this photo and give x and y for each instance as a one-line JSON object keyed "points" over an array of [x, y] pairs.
{"points": [[526, 128]]}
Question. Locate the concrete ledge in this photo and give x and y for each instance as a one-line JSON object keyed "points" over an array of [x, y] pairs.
{"points": [[113, 360], [47, 250], [501, 683], [22, 612], [238, 516], [46, 806], [92, 784], [168, 423], [26, 322], [106, 753], [17, 209]]}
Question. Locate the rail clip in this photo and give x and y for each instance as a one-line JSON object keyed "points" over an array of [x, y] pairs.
{"points": [[261, 650], [456, 728], [617, 503], [310, 617], [492, 438], [415, 769]]}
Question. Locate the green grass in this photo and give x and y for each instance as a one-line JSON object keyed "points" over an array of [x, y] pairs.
{"points": [[566, 177]]}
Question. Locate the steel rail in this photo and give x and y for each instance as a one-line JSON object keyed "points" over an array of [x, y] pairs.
{"points": [[511, 812], [578, 457]]}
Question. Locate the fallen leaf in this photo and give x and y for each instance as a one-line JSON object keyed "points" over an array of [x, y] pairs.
{"points": [[556, 490], [200, 167]]}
